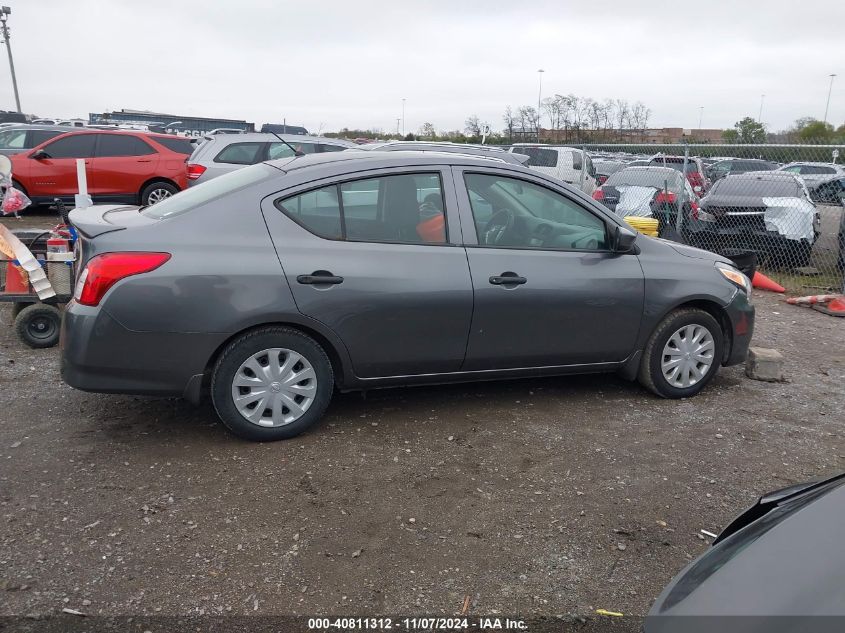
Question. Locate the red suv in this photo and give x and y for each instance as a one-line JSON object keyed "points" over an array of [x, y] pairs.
{"points": [[127, 167], [695, 170]]}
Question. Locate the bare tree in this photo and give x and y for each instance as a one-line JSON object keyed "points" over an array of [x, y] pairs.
{"points": [[427, 130], [510, 122], [622, 113], [472, 125]]}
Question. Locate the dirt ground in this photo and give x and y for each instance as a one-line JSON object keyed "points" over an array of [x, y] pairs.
{"points": [[534, 497]]}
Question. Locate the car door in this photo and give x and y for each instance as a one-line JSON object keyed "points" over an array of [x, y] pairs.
{"points": [[378, 260], [54, 175], [122, 164], [548, 290]]}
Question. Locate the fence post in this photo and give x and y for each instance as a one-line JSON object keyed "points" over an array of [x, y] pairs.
{"points": [[679, 219], [583, 165]]}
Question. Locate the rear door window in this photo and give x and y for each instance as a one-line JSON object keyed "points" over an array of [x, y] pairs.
{"points": [[325, 147], [113, 145], [240, 154], [178, 145], [318, 211]]}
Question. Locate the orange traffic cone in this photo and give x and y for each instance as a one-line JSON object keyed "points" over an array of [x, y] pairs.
{"points": [[762, 282], [834, 307]]}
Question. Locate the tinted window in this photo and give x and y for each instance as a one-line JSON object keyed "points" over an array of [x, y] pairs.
{"points": [[640, 177], [331, 148], [538, 156], [817, 169], [122, 145], [240, 154], [73, 146], [318, 211], [764, 186], [178, 145], [576, 161], [407, 208], [280, 150], [196, 196], [13, 139], [36, 137], [517, 214], [751, 165]]}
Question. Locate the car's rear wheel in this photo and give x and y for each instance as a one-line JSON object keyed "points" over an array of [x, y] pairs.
{"points": [[156, 192], [272, 384], [683, 354]]}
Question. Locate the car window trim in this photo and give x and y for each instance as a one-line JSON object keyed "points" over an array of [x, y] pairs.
{"points": [[521, 176], [334, 181]]}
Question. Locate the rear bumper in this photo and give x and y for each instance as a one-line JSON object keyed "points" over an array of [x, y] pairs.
{"points": [[741, 317], [100, 355]]}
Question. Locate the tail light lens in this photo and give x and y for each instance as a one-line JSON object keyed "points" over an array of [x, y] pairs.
{"points": [[694, 209], [665, 197], [600, 179], [104, 271], [598, 194], [195, 171]]}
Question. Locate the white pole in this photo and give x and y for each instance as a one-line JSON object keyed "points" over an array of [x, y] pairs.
{"points": [[82, 200]]}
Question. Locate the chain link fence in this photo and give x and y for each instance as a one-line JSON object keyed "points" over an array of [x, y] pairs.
{"points": [[777, 207]]}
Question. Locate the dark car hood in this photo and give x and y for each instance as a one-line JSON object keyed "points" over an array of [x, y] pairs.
{"points": [[691, 251], [789, 562]]}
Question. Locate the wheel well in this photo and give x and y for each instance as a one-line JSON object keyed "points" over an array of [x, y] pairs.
{"points": [[331, 352], [718, 313], [17, 185], [157, 179]]}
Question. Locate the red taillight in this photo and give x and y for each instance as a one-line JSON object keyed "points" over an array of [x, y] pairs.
{"points": [[103, 271], [600, 179], [195, 171], [694, 209], [666, 197], [598, 194]]}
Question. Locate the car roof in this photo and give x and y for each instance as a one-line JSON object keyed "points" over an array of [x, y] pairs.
{"points": [[815, 163], [375, 159], [40, 126], [545, 146], [267, 136], [651, 168]]}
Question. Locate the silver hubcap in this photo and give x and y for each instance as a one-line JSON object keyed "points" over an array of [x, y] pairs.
{"points": [[688, 355], [157, 195], [274, 387]]}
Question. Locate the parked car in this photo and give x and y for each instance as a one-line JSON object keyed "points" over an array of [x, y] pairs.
{"points": [[654, 192], [8, 116], [604, 169], [568, 164], [828, 191], [694, 170], [812, 173], [369, 269], [20, 138], [223, 153], [131, 167], [776, 567], [729, 166], [456, 148], [768, 212]]}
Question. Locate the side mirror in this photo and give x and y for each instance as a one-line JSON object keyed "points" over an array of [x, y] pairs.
{"points": [[39, 155], [623, 240]]}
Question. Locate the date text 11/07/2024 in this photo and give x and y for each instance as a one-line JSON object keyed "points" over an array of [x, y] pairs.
{"points": [[418, 624]]}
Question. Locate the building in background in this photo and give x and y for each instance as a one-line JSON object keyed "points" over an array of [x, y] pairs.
{"points": [[191, 125]]}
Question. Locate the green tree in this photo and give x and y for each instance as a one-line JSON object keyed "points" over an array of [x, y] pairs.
{"points": [[746, 130], [816, 131]]}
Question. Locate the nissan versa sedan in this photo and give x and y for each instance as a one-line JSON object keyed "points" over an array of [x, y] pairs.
{"points": [[272, 286], [775, 568]]}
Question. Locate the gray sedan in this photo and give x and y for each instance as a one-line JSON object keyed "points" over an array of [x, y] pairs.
{"points": [[272, 286]]}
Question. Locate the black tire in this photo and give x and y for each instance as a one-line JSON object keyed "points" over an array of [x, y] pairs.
{"points": [[157, 188], [651, 375], [39, 325], [240, 350], [19, 187]]}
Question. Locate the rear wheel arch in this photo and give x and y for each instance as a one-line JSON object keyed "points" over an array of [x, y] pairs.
{"points": [[156, 179], [340, 367]]}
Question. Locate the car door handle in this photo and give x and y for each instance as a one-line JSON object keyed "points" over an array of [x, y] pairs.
{"points": [[145, 160], [507, 279], [319, 277]]}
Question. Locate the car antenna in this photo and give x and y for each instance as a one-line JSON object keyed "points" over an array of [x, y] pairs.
{"points": [[296, 152]]}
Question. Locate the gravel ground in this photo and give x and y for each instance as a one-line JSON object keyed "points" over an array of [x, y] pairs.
{"points": [[537, 496]]}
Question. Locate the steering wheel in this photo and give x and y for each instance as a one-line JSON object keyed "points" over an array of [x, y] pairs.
{"points": [[501, 222]]}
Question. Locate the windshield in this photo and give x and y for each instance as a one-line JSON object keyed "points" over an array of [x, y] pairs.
{"points": [[198, 195], [760, 186], [640, 177]]}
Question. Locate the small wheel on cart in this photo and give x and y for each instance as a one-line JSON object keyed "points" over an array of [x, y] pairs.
{"points": [[17, 307], [38, 325]]}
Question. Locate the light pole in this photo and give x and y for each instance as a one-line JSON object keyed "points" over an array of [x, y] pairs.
{"points": [[760, 116], [700, 115], [5, 12], [403, 116], [826, 107], [539, 99]]}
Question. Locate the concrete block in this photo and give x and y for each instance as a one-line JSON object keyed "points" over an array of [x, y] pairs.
{"points": [[764, 364]]}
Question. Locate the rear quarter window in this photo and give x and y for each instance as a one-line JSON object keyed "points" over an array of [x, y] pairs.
{"points": [[538, 156], [240, 154], [178, 145]]}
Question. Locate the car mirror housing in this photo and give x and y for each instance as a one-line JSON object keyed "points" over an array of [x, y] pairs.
{"points": [[39, 155], [623, 240]]}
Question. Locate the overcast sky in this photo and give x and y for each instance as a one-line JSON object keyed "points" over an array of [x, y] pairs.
{"points": [[329, 64]]}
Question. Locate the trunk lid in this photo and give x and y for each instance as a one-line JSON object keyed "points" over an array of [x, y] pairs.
{"points": [[106, 218]]}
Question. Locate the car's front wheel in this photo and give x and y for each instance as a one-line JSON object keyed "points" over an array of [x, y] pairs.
{"points": [[271, 384], [683, 354]]}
